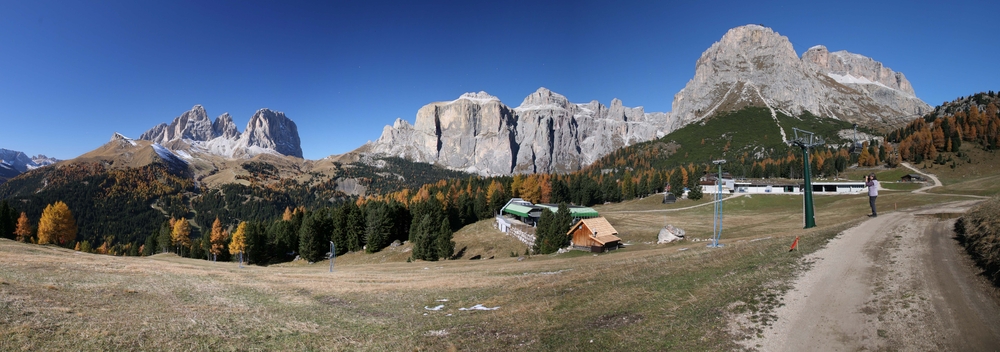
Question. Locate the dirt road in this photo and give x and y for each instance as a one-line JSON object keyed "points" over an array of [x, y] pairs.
{"points": [[896, 282]]}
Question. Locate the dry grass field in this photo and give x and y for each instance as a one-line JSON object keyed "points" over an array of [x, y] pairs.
{"points": [[642, 297]]}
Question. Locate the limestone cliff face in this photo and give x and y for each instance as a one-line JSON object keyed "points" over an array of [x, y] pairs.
{"points": [[546, 133], [755, 66]]}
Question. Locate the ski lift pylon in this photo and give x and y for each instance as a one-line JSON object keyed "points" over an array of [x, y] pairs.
{"points": [[856, 145]]}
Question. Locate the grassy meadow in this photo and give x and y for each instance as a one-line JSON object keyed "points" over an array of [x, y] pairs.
{"points": [[643, 297]]}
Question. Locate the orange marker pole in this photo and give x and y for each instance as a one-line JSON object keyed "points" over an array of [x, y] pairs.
{"points": [[795, 244]]}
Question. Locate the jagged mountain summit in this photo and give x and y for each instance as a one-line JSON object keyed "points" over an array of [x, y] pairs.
{"points": [[754, 66], [13, 163], [22, 162], [267, 132], [479, 134]]}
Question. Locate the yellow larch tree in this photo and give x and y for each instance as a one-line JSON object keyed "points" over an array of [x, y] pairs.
{"points": [[57, 225], [23, 230], [217, 239], [181, 234], [238, 242]]}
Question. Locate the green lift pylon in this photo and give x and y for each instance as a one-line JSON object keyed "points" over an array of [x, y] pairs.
{"points": [[807, 140]]}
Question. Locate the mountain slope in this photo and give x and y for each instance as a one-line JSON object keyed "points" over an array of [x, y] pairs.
{"points": [[755, 66]]}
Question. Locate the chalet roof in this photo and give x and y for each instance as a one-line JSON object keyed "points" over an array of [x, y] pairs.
{"points": [[517, 209], [600, 229]]}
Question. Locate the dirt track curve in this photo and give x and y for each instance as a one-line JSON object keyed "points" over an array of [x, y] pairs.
{"points": [[899, 281]]}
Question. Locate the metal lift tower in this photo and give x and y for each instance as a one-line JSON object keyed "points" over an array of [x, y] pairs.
{"points": [[807, 140], [717, 227]]}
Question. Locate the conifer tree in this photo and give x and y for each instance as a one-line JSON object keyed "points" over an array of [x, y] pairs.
{"points": [[149, 247], [8, 220], [545, 241], [23, 231], [56, 225], [311, 242], [164, 238], [378, 227], [423, 240], [181, 235], [442, 240], [218, 239], [256, 244], [237, 244]]}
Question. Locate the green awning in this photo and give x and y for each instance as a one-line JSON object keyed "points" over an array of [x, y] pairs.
{"points": [[583, 212], [575, 211], [517, 209]]}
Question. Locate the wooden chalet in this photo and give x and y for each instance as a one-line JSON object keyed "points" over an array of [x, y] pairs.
{"points": [[912, 178], [595, 234]]}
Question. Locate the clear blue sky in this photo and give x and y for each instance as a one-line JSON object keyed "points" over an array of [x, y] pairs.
{"points": [[74, 72]]}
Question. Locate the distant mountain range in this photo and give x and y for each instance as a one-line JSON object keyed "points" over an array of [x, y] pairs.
{"points": [[750, 66], [13, 163], [267, 132]]}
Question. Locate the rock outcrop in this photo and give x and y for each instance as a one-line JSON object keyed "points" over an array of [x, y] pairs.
{"points": [[270, 130], [546, 133], [755, 66], [267, 132]]}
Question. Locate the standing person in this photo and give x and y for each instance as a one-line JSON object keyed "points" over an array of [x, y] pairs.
{"points": [[872, 184]]}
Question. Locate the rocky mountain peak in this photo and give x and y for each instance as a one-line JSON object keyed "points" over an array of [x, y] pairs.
{"points": [[481, 97], [267, 132], [544, 98], [272, 130], [847, 67], [225, 127], [755, 66], [192, 124]]}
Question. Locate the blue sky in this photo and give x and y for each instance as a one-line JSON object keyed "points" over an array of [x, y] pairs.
{"points": [[74, 72]]}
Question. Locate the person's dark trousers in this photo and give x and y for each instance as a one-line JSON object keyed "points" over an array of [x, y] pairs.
{"points": [[871, 201]]}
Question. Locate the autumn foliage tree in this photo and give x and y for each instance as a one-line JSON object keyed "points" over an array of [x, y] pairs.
{"points": [[57, 225], [181, 234], [238, 242], [218, 239], [23, 231]]}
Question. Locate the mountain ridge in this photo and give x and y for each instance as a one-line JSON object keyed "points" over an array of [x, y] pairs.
{"points": [[267, 131]]}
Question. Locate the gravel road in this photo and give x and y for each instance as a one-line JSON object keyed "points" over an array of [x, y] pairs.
{"points": [[896, 282]]}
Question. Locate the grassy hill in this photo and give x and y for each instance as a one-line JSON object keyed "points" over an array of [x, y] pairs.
{"points": [[749, 133], [643, 297]]}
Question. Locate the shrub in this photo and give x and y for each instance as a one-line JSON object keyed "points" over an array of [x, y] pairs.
{"points": [[979, 232]]}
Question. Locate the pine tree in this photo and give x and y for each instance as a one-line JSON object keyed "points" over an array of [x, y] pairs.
{"points": [[423, 241], [378, 227], [256, 244], [311, 246], [442, 241], [677, 184], [56, 225], [560, 227], [695, 193], [149, 247], [8, 220], [23, 231], [545, 240], [164, 238], [237, 244]]}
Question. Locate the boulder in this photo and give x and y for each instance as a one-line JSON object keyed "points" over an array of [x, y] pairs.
{"points": [[669, 234]]}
